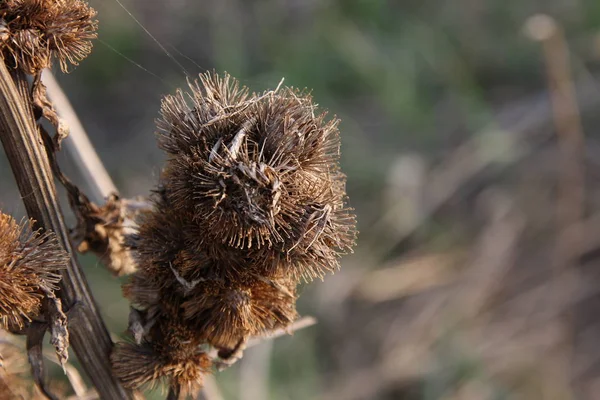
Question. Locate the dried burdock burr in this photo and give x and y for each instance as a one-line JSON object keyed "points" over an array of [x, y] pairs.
{"points": [[251, 201], [226, 312], [34, 32], [166, 348], [258, 172], [140, 366], [30, 264]]}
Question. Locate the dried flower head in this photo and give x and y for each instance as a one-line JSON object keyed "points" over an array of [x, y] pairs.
{"points": [[33, 32], [29, 266], [140, 365], [228, 312], [258, 172], [250, 201]]}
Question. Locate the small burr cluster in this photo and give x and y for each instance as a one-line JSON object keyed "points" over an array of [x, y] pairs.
{"points": [[251, 202]]}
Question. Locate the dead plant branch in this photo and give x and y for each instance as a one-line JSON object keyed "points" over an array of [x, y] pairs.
{"points": [[29, 162]]}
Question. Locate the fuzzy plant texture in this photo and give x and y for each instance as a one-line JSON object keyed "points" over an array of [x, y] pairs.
{"points": [[30, 264], [34, 32], [251, 202]]}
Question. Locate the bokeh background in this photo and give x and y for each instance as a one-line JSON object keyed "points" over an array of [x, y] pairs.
{"points": [[470, 280]]}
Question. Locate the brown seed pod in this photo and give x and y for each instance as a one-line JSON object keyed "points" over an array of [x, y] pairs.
{"points": [[158, 243], [139, 366], [250, 201], [29, 266], [221, 311], [184, 255], [33, 32], [226, 313], [142, 292], [167, 349], [257, 171]]}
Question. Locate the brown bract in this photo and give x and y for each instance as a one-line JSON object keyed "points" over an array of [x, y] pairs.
{"points": [[226, 312], [29, 266], [251, 202], [104, 228], [33, 32]]}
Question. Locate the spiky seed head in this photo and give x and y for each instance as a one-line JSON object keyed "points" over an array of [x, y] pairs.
{"points": [[34, 32], [30, 263], [170, 244], [257, 171], [139, 366], [226, 313], [220, 310], [250, 201]]}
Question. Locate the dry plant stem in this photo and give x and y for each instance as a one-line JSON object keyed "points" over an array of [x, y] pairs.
{"points": [[569, 134], [73, 376], [570, 205], [29, 162], [302, 323], [571, 179], [78, 145]]}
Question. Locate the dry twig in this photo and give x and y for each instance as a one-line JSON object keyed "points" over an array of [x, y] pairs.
{"points": [[31, 168]]}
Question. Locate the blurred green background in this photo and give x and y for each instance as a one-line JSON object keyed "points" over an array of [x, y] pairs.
{"points": [[444, 107]]}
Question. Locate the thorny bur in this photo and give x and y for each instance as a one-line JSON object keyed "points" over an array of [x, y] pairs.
{"points": [[30, 264], [251, 202], [33, 32], [15, 375]]}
